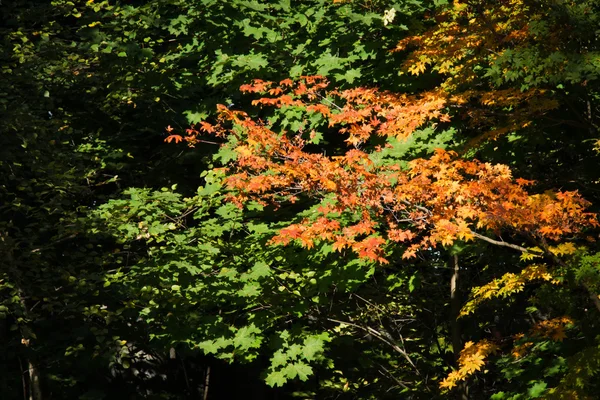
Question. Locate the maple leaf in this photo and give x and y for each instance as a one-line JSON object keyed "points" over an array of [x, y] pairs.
{"points": [[451, 380], [320, 108], [370, 248], [206, 127], [340, 243], [257, 86], [441, 197], [397, 235], [558, 335], [276, 378], [312, 346], [175, 138], [473, 363], [409, 253], [471, 359], [301, 370]]}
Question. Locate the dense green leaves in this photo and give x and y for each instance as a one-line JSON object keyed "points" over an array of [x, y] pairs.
{"points": [[128, 273]]}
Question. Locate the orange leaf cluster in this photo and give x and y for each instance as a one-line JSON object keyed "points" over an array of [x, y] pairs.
{"points": [[553, 329], [468, 38], [434, 201], [364, 111]]}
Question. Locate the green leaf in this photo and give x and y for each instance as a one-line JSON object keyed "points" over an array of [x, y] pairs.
{"points": [[260, 270], [294, 351], [226, 154], [209, 347], [537, 390], [350, 76], [327, 62], [300, 370], [209, 189], [312, 346], [296, 71], [251, 289], [195, 117], [279, 358], [276, 378], [414, 282], [246, 338], [251, 61]]}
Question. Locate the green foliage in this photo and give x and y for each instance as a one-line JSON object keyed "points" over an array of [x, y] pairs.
{"points": [[289, 361], [119, 249]]}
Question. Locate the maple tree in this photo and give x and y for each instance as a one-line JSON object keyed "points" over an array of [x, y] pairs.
{"points": [[501, 61], [403, 210], [434, 201], [430, 202]]}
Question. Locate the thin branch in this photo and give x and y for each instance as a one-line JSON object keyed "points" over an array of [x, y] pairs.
{"points": [[421, 208], [398, 381], [593, 296], [329, 101], [382, 338], [500, 243], [206, 382], [208, 142], [54, 243], [185, 374]]}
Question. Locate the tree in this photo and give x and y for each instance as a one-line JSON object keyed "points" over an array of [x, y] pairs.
{"points": [[338, 237], [365, 203], [87, 90]]}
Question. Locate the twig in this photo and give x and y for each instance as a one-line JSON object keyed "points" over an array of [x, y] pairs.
{"points": [[185, 374], [329, 101], [500, 243], [54, 243], [398, 381], [379, 336], [424, 209]]}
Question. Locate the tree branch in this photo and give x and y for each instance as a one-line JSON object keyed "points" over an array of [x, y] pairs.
{"points": [[381, 337], [500, 243], [593, 295]]}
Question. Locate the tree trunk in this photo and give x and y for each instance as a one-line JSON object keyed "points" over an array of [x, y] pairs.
{"points": [[33, 381], [33, 373], [35, 388], [206, 382], [454, 325]]}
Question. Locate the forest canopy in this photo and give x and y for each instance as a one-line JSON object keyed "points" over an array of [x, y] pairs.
{"points": [[325, 199]]}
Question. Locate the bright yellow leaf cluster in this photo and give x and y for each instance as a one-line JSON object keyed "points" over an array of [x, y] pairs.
{"points": [[472, 359], [507, 285]]}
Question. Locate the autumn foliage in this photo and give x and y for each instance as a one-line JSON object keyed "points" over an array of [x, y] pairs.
{"points": [[472, 359], [396, 199], [373, 208], [432, 202], [468, 38]]}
